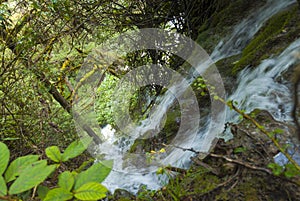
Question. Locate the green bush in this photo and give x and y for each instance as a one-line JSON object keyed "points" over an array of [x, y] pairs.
{"points": [[26, 175]]}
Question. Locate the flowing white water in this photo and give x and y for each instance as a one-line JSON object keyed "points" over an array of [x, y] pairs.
{"points": [[264, 88], [244, 31], [251, 93]]}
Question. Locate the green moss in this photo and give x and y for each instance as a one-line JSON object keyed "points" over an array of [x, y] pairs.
{"points": [[222, 22], [152, 140], [255, 50], [249, 189], [195, 183]]}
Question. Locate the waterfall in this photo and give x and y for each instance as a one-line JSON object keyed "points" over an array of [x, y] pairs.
{"points": [[263, 88], [244, 31], [271, 96]]}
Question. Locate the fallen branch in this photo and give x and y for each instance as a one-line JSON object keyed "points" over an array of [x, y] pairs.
{"points": [[228, 159], [247, 165]]}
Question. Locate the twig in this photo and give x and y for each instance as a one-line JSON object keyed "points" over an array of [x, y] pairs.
{"points": [[175, 169], [197, 161], [241, 163], [227, 159], [223, 184], [33, 193], [264, 131]]}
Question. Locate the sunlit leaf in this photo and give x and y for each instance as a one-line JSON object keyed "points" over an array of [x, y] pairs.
{"points": [[96, 173], [58, 194], [3, 187], [66, 180], [53, 153], [74, 149], [91, 191]]}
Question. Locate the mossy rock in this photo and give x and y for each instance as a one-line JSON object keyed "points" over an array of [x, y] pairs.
{"points": [[152, 140], [273, 37], [223, 21]]}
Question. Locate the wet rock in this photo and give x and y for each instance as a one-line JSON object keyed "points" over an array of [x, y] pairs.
{"points": [[121, 194]]}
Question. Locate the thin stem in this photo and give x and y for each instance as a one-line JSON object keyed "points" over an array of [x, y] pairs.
{"points": [[263, 130]]}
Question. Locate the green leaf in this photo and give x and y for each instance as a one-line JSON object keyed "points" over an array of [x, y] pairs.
{"points": [[74, 149], [42, 191], [3, 187], [239, 150], [33, 175], [278, 131], [58, 194], [66, 180], [91, 191], [4, 157], [53, 153], [18, 165], [276, 169], [96, 173], [291, 171]]}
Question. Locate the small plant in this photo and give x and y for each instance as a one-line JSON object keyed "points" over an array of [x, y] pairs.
{"points": [[150, 156], [289, 170], [25, 175]]}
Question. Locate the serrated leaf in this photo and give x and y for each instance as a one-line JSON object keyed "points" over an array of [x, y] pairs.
{"points": [[96, 173], [3, 187], [31, 176], [19, 164], [91, 191], [66, 180], [4, 157], [53, 153], [58, 194], [74, 149], [42, 191]]}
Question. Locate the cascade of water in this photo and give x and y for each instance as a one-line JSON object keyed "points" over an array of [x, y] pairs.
{"points": [[233, 45], [259, 88], [245, 30]]}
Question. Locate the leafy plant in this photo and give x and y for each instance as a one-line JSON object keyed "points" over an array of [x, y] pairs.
{"points": [[289, 170], [26, 173]]}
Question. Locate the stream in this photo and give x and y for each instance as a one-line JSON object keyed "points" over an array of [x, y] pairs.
{"points": [[273, 95]]}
